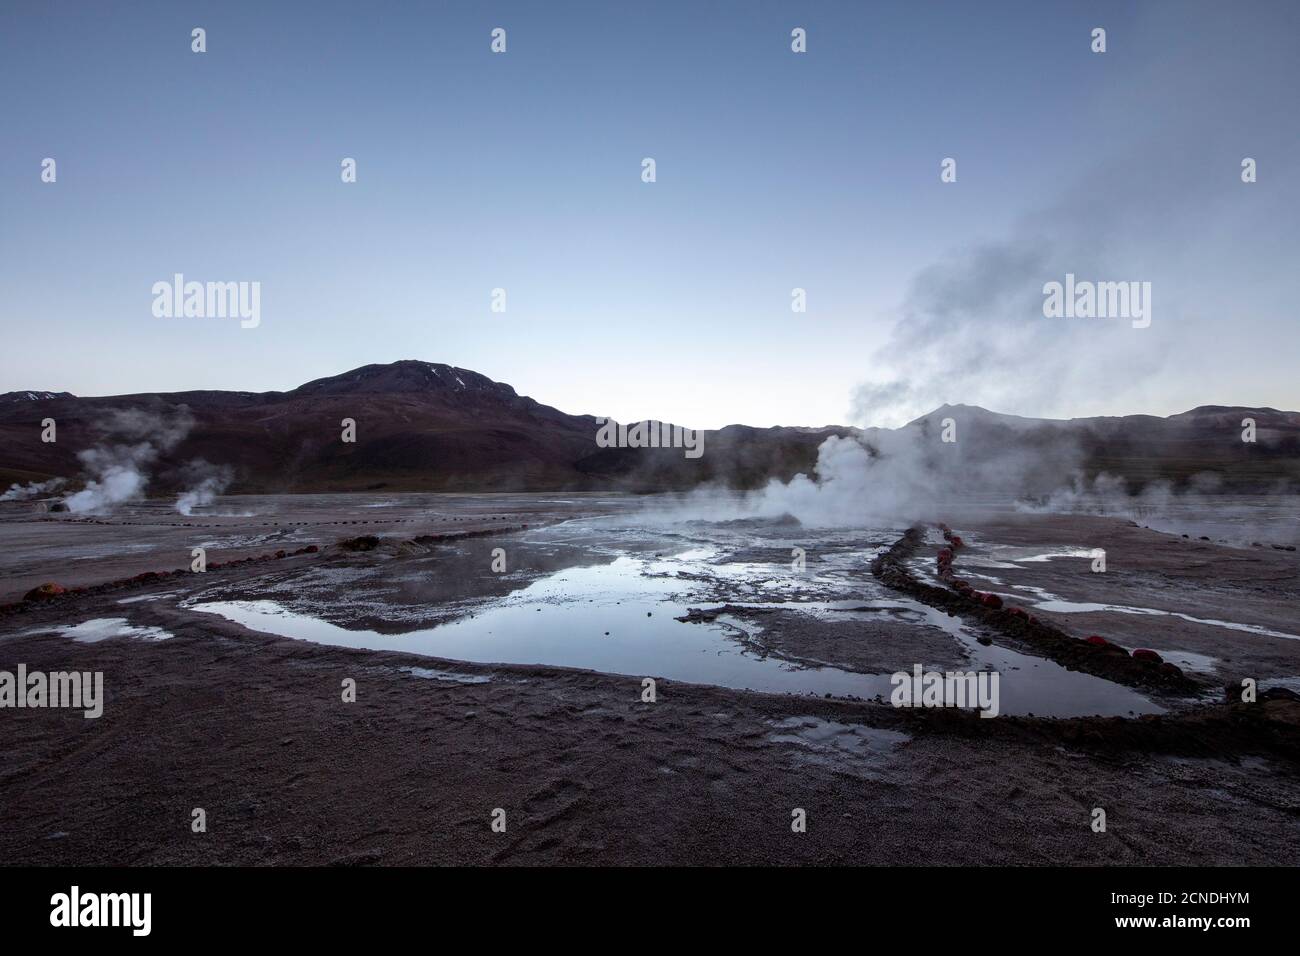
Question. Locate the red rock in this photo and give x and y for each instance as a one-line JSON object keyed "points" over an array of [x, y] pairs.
{"points": [[43, 592], [1143, 654], [991, 600], [1018, 612], [956, 541], [1096, 641]]}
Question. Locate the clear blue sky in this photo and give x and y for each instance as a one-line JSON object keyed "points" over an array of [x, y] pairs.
{"points": [[671, 299]]}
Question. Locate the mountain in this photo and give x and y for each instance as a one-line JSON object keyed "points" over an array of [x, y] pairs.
{"points": [[431, 427], [419, 426], [15, 397]]}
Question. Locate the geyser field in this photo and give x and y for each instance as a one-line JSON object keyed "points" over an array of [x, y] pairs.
{"points": [[649, 679]]}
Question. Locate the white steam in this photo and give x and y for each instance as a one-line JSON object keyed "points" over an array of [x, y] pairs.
{"points": [[32, 490], [206, 481], [117, 470], [890, 477]]}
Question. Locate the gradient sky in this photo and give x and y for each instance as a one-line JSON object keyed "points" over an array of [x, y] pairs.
{"points": [[668, 300]]}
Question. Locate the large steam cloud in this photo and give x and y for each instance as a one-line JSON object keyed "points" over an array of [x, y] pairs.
{"points": [[971, 329], [911, 474]]}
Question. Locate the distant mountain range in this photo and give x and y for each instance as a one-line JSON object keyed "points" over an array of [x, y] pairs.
{"points": [[422, 426]]}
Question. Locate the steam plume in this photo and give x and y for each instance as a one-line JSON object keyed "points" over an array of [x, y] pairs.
{"points": [[32, 490], [206, 481], [117, 469]]}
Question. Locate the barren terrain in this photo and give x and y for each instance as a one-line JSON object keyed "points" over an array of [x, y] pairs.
{"points": [[251, 726]]}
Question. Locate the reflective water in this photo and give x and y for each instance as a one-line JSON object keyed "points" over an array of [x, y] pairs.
{"points": [[619, 617]]}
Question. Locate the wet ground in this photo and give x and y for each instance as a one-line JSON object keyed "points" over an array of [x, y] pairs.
{"points": [[620, 608], [1225, 611], [498, 664]]}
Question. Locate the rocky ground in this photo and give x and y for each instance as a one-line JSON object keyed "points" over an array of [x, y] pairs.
{"points": [[253, 729]]}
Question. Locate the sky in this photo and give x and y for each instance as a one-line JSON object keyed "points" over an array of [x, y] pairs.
{"points": [[775, 170]]}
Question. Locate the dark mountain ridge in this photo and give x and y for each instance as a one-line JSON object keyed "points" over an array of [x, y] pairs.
{"points": [[423, 426]]}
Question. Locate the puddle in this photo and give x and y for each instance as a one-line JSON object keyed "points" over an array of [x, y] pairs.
{"points": [[1049, 555], [147, 597], [619, 618], [1287, 683], [429, 673], [101, 629], [1070, 607], [643, 639], [1189, 661]]}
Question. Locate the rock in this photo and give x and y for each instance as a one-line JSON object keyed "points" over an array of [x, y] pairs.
{"points": [[44, 592]]}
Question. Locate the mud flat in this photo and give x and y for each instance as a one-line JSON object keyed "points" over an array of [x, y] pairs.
{"points": [[546, 720]]}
